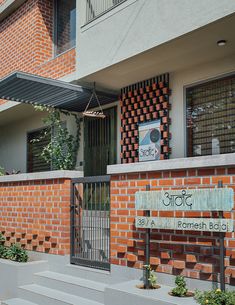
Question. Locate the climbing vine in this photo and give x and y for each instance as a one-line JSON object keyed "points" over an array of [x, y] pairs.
{"points": [[61, 151]]}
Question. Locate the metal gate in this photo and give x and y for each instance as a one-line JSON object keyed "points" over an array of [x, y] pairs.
{"points": [[90, 222]]}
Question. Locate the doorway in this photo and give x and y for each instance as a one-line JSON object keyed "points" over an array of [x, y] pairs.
{"points": [[100, 143]]}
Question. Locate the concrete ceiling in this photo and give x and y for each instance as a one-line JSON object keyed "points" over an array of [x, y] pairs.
{"points": [[190, 50]]}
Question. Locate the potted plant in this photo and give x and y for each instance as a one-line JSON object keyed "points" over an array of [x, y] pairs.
{"points": [[152, 279], [181, 289]]}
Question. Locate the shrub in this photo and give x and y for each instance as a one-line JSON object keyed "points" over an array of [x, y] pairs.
{"points": [[180, 290], [17, 254], [215, 297], [2, 171], [2, 239], [3, 252], [152, 277]]}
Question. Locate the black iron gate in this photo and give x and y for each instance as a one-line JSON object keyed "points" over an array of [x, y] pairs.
{"points": [[90, 222]]}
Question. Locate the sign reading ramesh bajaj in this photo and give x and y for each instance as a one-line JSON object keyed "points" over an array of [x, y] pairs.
{"points": [[190, 224], [220, 199]]}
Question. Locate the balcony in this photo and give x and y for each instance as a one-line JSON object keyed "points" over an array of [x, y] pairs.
{"points": [[95, 9]]}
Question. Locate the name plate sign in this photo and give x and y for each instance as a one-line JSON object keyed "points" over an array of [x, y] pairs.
{"points": [[219, 199], [190, 224]]}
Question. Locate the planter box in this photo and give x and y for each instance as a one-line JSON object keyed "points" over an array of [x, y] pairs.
{"points": [[13, 274]]}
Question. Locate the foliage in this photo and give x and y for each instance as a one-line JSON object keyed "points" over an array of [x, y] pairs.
{"points": [[2, 239], [152, 277], [62, 150], [215, 297], [2, 171], [180, 290], [17, 254], [3, 252]]}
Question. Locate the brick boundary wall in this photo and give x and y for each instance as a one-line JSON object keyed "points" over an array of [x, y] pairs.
{"points": [[192, 254], [36, 214]]}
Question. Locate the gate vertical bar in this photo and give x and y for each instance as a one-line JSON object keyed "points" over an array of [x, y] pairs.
{"points": [[72, 223], [222, 270], [147, 247]]}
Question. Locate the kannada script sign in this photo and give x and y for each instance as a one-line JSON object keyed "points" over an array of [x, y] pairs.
{"points": [[190, 224], [219, 199]]}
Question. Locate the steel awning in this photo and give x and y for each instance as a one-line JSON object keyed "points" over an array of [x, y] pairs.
{"points": [[32, 89]]}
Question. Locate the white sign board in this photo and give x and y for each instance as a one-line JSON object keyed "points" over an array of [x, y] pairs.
{"points": [[149, 141], [189, 224], [219, 199]]}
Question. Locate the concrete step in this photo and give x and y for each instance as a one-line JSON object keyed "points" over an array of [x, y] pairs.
{"points": [[17, 301], [128, 293], [91, 274], [71, 284], [46, 296]]}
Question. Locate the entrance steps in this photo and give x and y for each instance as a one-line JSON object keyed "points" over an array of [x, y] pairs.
{"points": [[76, 285], [69, 288]]}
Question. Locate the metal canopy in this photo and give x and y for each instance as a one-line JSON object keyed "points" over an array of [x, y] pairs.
{"points": [[32, 89]]}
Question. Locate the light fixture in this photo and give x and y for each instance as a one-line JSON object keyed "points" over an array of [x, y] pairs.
{"points": [[221, 43]]}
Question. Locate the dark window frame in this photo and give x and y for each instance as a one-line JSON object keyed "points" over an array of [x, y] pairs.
{"points": [[29, 133], [55, 31], [188, 147]]}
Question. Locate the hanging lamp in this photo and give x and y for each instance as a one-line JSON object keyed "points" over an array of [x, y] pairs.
{"points": [[95, 114]]}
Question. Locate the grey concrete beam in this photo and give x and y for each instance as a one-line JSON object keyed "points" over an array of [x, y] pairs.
{"points": [[42, 176], [173, 164]]}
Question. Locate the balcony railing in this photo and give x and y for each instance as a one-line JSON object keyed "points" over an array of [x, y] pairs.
{"points": [[95, 9]]}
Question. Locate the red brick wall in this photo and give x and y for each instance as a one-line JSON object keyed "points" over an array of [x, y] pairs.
{"points": [[193, 254], [36, 214], [27, 42]]}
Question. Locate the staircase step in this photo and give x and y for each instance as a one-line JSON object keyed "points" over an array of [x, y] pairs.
{"points": [[17, 301], [46, 296], [72, 285], [91, 274]]}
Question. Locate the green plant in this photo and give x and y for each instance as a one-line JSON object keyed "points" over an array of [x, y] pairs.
{"points": [[2, 239], [2, 171], [215, 297], [61, 152], [17, 254], [152, 277], [3, 252], [180, 290]]}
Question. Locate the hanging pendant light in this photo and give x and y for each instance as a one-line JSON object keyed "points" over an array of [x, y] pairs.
{"points": [[95, 114]]}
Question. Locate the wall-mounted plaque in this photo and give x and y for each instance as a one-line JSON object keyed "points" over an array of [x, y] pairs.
{"points": [[189, 224], [149, 141], [219, 199]]}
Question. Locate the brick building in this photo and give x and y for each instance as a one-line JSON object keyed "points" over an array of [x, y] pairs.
{"points": [[164, 77]]}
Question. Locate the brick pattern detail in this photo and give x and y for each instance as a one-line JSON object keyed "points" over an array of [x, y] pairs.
{"points": [[36, 214], [143, 102], [27, 42], [192, 254]]}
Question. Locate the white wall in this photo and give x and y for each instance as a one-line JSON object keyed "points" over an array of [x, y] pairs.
{"points": [[139, 25], [178, 82], [13, 140]]}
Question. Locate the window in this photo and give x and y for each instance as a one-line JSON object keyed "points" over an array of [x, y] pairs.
{"points": [[35, 163], [65, 25], [211, 118]]}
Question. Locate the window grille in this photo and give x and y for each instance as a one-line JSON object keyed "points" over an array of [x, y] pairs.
{"points": [[211, 117]]}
